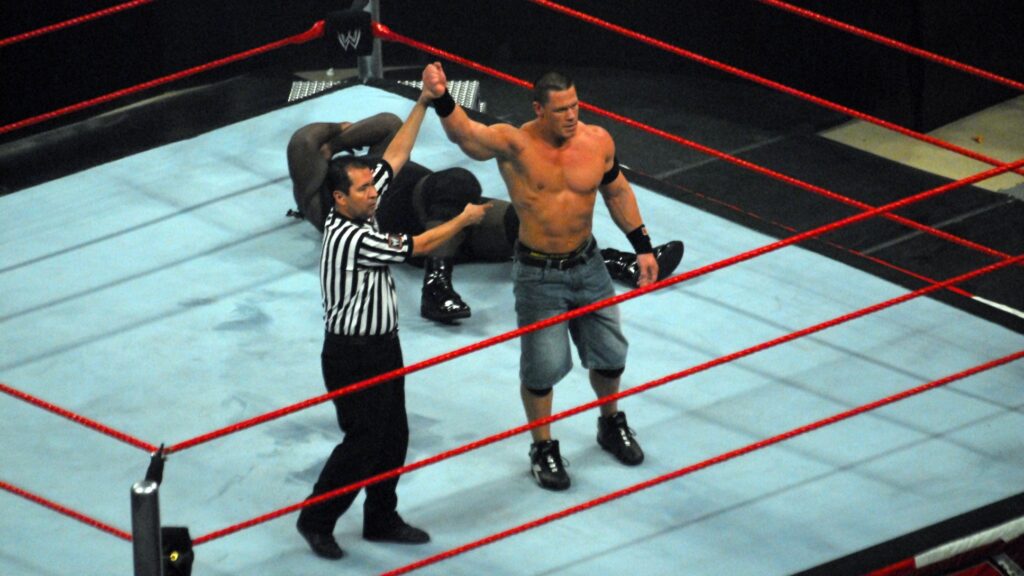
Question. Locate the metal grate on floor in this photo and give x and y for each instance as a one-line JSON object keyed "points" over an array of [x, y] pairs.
{"points": [[305, 88], [465, 92]]}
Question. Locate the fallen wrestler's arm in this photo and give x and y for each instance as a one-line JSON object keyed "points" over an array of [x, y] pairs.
{"points": [[312, 146], [375, 132], [325, 139]]}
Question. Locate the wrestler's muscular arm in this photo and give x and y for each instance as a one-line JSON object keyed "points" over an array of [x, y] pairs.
{"points": [[478, 141], [621, 201], [307, 163]]}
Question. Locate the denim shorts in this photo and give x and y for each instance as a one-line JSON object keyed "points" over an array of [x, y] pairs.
{"points": [[541, 293]]}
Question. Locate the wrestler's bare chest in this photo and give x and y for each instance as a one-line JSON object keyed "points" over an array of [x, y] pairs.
{"points": [[547, 171]]}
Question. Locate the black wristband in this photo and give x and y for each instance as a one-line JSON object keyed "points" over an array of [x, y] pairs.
{"points": [[640, 240], [444, 105]]}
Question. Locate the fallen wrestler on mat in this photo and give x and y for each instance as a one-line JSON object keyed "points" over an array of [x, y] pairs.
{"points": [[421, 199]]}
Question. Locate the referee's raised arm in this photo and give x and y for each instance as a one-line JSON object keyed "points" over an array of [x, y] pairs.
{"points": [[400, 148]]}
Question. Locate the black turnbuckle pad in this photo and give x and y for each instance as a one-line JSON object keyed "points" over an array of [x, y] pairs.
{"points": [[347, 35]]}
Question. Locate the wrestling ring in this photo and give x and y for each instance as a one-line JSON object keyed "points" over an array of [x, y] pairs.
{"points": [[798, 407]]}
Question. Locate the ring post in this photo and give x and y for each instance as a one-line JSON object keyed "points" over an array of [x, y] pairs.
{"points": [[146, 545], [371, 66]]}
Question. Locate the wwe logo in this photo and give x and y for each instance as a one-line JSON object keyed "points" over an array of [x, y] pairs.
{"points": [[350, 39]]}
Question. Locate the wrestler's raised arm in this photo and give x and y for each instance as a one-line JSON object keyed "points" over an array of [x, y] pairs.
{"points": [[477, 140]]}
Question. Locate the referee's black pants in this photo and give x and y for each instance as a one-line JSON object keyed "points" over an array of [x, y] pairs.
{"points": [[375, 425]]}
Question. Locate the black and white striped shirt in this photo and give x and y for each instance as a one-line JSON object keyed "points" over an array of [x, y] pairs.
{"points": [[358, 292]]}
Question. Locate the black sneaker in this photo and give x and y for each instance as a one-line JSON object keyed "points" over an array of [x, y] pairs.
{"points": [[615, 436], [394, 529], [547, 466], [323, 545]]}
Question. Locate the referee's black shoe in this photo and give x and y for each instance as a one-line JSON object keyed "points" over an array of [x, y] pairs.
{"points": [[547, 466], [391, 528], [439, 301], [323, 545]]}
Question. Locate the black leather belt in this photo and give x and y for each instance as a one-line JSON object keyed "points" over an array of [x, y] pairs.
{"points": [[530, 257]]}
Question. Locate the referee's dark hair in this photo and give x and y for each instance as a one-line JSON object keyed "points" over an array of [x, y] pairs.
{"points": [[337, 172]]}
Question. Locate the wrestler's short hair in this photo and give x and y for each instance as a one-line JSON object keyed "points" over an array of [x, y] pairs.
{"points": [[337, 172], [548, 83]]}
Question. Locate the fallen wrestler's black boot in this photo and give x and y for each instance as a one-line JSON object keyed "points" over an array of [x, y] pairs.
{"points": [[668, 255], [440, 302], [623, 267]]}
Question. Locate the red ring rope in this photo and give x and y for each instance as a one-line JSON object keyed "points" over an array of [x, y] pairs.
{"points": [[72, 22], [313, 33], [610, 398], [595, 306], [380, 30], [65, 511], [792, 230], [130, 440], [766, 82], [384, 32], [799, 183], [891, 43], [706, 463]]}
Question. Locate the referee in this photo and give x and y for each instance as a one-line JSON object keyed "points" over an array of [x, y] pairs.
{"points": [[361, 341]]}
